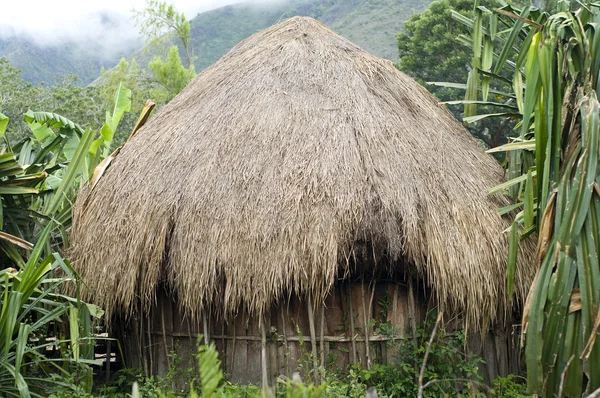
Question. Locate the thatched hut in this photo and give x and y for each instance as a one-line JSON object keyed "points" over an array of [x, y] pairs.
{"points": [[293, 191]]}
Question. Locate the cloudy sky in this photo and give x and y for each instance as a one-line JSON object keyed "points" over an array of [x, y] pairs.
{"points": [[49, 21]]}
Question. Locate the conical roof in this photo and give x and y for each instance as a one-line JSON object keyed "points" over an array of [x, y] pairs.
{"points": [[274, 165]]}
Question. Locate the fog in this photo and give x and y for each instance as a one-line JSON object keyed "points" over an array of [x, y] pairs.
{"points": [[107, 24]]}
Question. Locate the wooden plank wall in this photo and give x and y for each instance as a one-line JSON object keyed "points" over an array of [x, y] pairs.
{"points": [[337, 332]]}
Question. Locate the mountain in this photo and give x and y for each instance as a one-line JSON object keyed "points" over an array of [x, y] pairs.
{"points": [[372, 24]]}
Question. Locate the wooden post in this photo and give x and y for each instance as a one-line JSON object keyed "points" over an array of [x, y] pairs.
{"points": [[322, 338], [365, 321], [370, 317], [150, 347], [352, 324], [205, 327], [263, 356], [107, 375], [285, 343], [412, 309], [233, 349], [313, 334], [138, 333], [164, 331]]}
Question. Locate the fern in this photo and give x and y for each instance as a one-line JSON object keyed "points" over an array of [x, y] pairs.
{"points": [[211, 374]]}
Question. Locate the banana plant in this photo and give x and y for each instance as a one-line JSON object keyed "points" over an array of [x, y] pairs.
{"points": [[32, 173], [554, 176]]}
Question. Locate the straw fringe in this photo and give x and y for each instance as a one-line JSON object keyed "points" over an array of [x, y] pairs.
{"points": [[260, 178]]}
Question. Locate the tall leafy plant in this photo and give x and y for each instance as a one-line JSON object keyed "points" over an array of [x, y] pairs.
{"points": [[31, 305], [39, 178], [554, 177]]}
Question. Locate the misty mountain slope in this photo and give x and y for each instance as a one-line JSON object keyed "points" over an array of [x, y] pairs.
{"points": [[106, 36], [42, 63], [372, 24]]}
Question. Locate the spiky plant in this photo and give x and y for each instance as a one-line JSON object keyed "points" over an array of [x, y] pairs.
{"points": [[542, 70]]}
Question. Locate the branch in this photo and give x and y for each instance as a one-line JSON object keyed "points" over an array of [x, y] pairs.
{"points": [[422, 372]]}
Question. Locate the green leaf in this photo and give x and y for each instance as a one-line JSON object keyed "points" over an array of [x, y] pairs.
{"points": [[528, 208], [509, 183], [41, 131], [476, 118], [74, 330], [3, 124], [528, 145], [7, 190], [507, 209], [488, 103], [52, 120], [513, 249], [73, 169]]}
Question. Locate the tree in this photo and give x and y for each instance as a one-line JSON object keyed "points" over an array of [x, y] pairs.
{"points": [[171, 75], [428, 49], [555, 163], [67, 97], [16, 95], [160, 21]]}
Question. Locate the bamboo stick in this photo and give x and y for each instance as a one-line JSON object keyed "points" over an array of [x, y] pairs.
{"points": [[373, 283], [223, 334], [142, 343]]}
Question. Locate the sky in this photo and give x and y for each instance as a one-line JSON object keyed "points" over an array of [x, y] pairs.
{"points": [[54, 21]]}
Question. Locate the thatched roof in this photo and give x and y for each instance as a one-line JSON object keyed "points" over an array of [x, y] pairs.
{"points": [[260, 177]]}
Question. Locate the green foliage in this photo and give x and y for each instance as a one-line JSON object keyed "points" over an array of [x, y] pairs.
{"points": [[555, 169], [449, 369], [171, 76], [65, 97], [507, 387]]}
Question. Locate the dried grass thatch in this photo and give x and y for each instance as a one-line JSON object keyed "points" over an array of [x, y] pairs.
{"points": [[260, 177]]}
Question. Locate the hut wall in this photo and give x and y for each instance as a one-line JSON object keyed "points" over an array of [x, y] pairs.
{"points": [[339, 331]]}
